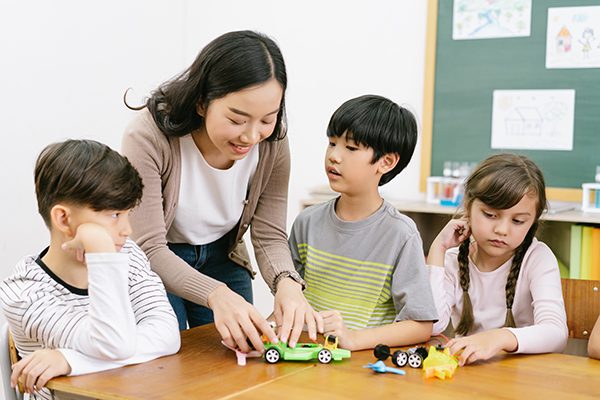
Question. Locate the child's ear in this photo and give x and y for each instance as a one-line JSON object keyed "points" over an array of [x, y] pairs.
{"points": [[60, 215], [388, 162], [200, 109]]}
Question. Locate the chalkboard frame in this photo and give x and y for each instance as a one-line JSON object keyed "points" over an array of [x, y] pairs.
{"points": [[429, 110]]}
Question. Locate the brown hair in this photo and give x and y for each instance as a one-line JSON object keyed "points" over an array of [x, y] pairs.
{"points": [[86, 173], [500, 182]]}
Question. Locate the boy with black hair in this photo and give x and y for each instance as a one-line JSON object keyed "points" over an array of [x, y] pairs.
{"points": [[362, 260], [88, 302]]}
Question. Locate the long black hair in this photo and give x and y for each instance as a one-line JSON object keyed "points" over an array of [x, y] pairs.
{"points": [[231, 62]]}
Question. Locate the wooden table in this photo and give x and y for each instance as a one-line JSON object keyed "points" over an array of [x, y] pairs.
{"points": [[204, 369]]}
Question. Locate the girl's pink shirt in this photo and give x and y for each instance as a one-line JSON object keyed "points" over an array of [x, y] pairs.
{"points": [[538, 308]]}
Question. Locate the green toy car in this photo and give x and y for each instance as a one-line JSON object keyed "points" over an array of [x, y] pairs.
{"points": [[306, 351]]}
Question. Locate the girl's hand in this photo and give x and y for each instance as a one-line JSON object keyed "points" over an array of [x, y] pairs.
{"points": [[38, 368], [334, 325], [292, 311], [482, 346], [238, 321], [453, 234]]}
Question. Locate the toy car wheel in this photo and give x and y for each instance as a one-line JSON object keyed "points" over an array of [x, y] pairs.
{"points": [[415, 360], [400, 358], [324, 356], [272, 356], [381, 352]]}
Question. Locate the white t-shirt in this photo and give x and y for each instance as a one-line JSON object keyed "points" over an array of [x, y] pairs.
{"points": [[211, 201]]}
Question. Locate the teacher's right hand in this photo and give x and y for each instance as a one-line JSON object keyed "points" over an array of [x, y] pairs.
{"points": [[238, 321]]}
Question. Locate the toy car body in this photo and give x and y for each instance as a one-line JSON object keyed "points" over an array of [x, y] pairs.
{"points": [[274, 352]]}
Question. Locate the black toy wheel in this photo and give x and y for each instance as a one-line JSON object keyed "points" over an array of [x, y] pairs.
{"points": [[381, 352], [272, 356], [400, 358], [422, 351], [324, 356]]}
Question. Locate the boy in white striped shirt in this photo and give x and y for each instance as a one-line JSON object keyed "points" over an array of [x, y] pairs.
{"points": [[88, 302]]}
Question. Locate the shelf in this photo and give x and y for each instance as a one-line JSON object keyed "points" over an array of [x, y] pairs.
{"points": [[417, 206]]}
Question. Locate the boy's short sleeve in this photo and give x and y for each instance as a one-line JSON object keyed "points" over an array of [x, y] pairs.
{"points": [[294, 239], [411, 290]]}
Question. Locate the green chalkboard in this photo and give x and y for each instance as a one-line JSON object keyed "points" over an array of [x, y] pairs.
{"points": [[468, 71]]}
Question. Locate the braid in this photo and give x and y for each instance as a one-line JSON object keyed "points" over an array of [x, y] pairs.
{"points": [[466, 317], [513, 275]]}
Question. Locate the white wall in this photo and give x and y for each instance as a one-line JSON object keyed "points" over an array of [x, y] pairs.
{"points": [[65, 64]]}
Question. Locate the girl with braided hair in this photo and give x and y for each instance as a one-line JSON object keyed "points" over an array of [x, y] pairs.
{"points": [[498, 284]]}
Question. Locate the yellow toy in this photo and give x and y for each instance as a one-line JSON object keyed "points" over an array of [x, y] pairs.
{"points": [[439, 364]]}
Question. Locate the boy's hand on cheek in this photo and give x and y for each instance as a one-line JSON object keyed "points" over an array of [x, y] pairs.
{"points": [[90, 238]]}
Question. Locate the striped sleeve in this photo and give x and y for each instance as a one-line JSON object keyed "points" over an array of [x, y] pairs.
{"points": [[37, 309], [103, 330], [157, 331], [123, 318]]}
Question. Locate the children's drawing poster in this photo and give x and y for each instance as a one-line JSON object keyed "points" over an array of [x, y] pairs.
{"points": [[573, 37], [533, 119], [486, 19]]}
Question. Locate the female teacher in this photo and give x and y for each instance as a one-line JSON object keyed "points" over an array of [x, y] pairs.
{"points": [[211, 148]]}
